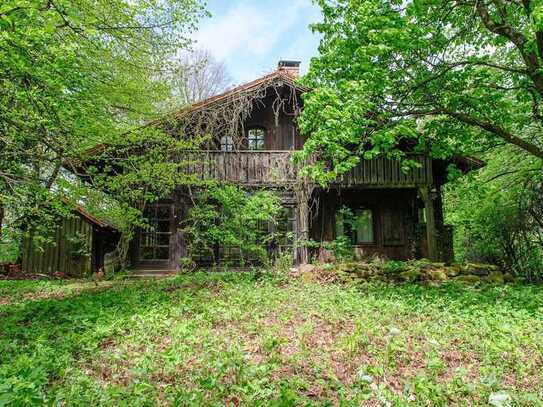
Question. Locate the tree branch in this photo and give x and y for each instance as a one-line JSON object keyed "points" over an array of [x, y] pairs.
{"points": [[518, 39], [497, 130], [482, 124]]}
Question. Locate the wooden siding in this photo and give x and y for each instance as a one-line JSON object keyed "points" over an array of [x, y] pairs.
{"points": [[382, 171], [58, 257], [394, 213], [274, 167]]}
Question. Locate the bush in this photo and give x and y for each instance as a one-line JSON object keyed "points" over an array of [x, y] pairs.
{"points": [[9, 248], [498, 217], [229, 217]]}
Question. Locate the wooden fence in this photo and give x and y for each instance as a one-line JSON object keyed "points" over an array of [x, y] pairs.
{"points": [[276, 167]]}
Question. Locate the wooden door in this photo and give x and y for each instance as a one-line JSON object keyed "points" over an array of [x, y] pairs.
{"points": [[155, 239], [393, 226]]}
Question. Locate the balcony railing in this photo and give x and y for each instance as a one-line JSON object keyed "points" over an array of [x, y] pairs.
{"points": [[274, 167], [244, 167], [382, 171]]}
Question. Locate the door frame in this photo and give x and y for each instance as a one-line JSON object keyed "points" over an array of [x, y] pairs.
{"points": [[157, 262]]}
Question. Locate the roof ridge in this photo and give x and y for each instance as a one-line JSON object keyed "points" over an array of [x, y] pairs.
{"points": [[278, 73], [93, 219]]}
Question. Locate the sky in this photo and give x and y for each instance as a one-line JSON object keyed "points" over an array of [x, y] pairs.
{"points": [[251, 36]]}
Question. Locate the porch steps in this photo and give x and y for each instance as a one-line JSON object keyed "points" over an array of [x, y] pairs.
{"points": [[152, 272]]}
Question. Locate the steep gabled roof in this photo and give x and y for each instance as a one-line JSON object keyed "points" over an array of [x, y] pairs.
{"points": [[269, 79], [274, 77]]}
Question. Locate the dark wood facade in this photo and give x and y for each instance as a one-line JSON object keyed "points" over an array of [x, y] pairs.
{"points": [[77, 249], [404, 207], [395, 215], [275, 167]]}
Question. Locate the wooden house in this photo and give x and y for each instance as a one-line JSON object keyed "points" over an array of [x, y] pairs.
{"points": [[399, 214]]}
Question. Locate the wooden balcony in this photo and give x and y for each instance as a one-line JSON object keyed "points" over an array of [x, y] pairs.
{"points": [[245, 167], [275, 168], [386, 172]]}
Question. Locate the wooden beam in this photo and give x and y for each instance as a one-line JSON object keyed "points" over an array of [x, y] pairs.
{"points": [[179, 244], [302, 225], [431, 232], [1, 216]]}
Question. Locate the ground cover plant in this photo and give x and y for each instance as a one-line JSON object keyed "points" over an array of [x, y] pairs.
{"points": [[257, 339]]}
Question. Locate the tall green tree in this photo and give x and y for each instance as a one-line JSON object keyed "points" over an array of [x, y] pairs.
{"points": [[74, 74], [454, 75]]}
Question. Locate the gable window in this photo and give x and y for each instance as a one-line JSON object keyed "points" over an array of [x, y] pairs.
{"points": [[356, 224], [256, 139], [227, 143]]}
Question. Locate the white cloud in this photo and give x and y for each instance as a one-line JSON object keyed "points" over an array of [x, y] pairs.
{"points": [[247, 28]]}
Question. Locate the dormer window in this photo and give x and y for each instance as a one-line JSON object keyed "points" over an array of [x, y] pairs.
{"points": [[256, 139], [227, 143]]}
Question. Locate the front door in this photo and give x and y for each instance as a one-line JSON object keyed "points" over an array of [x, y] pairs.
{"points": [[155, 239]]}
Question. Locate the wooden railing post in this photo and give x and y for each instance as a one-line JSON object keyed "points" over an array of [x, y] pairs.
{"points": [[302, 232]]}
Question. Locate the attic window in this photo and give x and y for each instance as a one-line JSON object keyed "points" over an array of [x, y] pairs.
{"points": [[256, 139], [227, 143]]}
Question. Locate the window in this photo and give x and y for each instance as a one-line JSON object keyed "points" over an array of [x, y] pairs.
{"points": [[285, 226], [256, 139], [227, 143], [356, 224]]}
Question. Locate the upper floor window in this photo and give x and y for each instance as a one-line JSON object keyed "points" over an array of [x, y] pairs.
{"points": [[256, 139], [227, 143]]}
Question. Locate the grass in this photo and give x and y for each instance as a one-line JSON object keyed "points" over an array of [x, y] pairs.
{"points": [[232, 338]]}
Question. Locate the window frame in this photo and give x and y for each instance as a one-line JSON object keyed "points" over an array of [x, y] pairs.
{"points": [[261, 131], [227, 143], [344, 228]]}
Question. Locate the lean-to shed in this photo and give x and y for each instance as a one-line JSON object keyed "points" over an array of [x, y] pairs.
{"points": [[79, 246]]}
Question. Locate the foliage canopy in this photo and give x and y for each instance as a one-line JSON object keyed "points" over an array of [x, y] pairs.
{"points": [[454, 76], [74, 74]]}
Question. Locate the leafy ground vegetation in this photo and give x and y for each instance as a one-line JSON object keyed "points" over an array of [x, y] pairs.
{"points": [[260, 339]]}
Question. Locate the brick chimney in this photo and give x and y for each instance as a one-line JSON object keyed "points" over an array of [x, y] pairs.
{"points": [[290, 67]]}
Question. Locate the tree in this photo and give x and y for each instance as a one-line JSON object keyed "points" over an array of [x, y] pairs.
{"points": [[453, 75], [199, 77], [74, 74]]}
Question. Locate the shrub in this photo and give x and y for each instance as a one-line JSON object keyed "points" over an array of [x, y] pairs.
{"points": [[498, 218], [229, 217]]}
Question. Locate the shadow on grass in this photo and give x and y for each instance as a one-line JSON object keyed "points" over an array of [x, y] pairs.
{"points": [[39, 339]]}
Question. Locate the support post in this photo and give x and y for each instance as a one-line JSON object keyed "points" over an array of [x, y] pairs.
{"points": [[302, 226], [1, 216], [431, 232], [179, 247]]}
